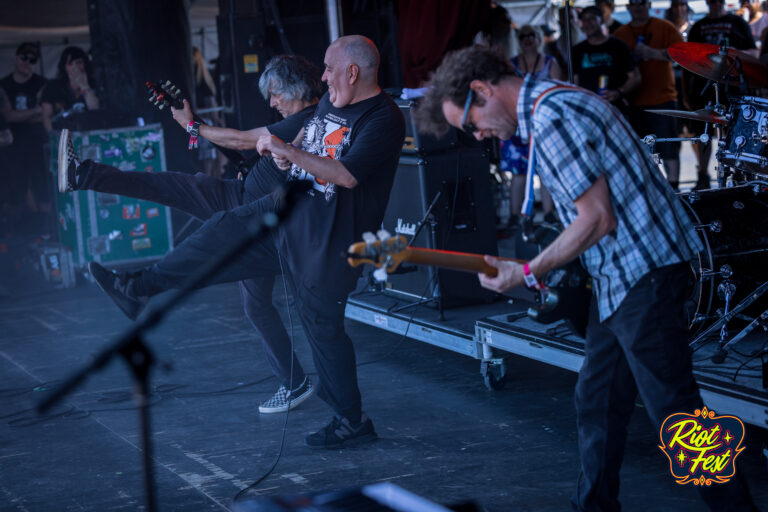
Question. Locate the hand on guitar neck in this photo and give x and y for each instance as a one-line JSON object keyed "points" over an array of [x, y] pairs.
{"points": [[508, 274]]}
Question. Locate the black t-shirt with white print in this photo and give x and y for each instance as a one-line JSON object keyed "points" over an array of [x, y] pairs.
{"points": [[264, 177], [367, 138]]}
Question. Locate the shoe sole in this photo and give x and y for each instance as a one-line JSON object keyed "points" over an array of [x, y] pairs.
{"points": [[293, 404], [63, 161], [367, 438], [91, 266]]}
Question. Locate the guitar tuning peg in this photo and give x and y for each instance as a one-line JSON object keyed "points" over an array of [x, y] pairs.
{"points": [[383, 235], [161, 106], [380, 274], [167, 83], [369, 237]]}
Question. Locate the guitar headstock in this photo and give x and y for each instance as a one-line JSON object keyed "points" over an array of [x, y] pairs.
{"points": [[384, 252], [164, 94]]}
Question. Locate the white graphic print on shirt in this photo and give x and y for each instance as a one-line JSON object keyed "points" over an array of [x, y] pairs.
{"points": [[327, 137]]}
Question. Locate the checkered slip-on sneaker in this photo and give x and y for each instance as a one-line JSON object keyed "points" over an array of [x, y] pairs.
{"points": [[284, 400], [340, 433], [68, 162]]}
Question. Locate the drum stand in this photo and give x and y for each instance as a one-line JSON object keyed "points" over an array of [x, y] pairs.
{"points": [[727, 316]]}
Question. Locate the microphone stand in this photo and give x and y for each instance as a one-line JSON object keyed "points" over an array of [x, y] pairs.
{"points": [[130, 344]]}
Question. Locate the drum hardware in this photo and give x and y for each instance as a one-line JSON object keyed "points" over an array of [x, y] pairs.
{"points": [[715, 227], [701, 139], [727, 316], [725, 271]]}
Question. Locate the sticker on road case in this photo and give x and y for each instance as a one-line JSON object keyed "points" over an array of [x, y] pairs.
{"points": [[139, 244], [701, 447]]}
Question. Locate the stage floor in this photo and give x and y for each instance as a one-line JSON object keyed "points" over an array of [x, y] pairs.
{"points": [[443, 435]]}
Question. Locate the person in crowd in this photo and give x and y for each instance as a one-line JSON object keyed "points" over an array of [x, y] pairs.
{"points": [[500, 31], [514, 151], [606, 8], [558, 48], [27, 185], [347, 154], [604, 64], [649, 38], [631, 232], [679, 14], [719, 27], [757, 18], [72, 89]]}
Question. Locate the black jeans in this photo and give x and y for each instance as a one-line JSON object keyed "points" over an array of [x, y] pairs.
{"points": [[202, 196], [641, 348], [228, 211]]}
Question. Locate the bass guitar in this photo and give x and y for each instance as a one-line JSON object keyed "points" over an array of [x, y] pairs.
{"points": [[565, 295]]}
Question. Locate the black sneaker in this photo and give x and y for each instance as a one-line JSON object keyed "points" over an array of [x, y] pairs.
{"points": [[340, 433], [284, 400], [119, 288], [68, 162]]}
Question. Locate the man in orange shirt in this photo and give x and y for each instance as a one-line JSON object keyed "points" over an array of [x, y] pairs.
{"points": [[649, 38]]}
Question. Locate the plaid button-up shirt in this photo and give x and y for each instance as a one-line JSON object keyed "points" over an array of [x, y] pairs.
{"points": [[578, 137]]}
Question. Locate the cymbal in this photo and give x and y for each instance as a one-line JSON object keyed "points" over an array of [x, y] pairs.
{"points": [[708, 61], [707, 115]]}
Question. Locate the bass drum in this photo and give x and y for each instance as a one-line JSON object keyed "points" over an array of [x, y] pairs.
{"points": [[731, 224]]}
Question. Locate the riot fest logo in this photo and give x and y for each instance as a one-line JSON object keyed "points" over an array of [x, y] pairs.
{"points": [[701, 447]]}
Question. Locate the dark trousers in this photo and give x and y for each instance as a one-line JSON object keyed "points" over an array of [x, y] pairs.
{"points": [[641, 348], [220, 203], [202, 196]]}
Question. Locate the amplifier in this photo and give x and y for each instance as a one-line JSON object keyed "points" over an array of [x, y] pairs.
{"points": [[462, 219]]}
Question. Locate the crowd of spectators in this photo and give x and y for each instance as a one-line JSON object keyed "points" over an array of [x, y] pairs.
{"points": [[629, 66], [30, 108]]}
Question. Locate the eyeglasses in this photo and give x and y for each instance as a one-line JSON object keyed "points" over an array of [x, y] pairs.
{"points": [[28, 58], [526, 35], [468, 127]]}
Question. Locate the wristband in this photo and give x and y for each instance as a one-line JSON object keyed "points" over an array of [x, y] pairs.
{"points": [[193, 128], [529, 278]]}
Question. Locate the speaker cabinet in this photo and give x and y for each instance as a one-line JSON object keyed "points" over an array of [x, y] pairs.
{"points": [[461, 219]]}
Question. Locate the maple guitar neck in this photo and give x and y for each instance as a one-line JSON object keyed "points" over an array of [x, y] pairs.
{"points": [[462, 261]]}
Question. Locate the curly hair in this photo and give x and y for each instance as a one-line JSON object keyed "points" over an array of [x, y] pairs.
{"points": [[450, 82], [293, 76]]}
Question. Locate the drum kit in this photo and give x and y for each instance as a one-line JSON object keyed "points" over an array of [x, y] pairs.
{"points": [[731, 273]]}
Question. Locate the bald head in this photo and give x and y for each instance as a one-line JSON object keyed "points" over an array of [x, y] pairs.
{"points": [[361, 51]]}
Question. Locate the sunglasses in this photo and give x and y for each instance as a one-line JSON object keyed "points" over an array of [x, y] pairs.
{"points": [[28, 58], [468, 127], [526, 35]]}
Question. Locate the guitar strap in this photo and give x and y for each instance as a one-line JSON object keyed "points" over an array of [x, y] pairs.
{"points": [[527, 208]]}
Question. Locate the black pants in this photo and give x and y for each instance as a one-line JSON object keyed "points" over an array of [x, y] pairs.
{"points": [[641, 348], [213, 201]]}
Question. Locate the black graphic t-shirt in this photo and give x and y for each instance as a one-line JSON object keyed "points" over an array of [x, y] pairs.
{"points": [[286, 129], [265, 176], [367, 138], [24, 97], [611, 59], [716, 31]]}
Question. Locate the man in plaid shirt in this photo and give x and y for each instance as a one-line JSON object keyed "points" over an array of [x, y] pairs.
{"points": [[623, 219]]}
